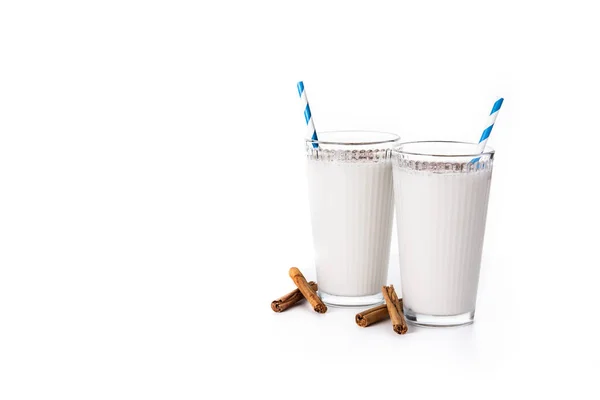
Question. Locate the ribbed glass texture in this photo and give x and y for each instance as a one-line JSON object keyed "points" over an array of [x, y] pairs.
{"points": [[442, 191], [352, 205]]}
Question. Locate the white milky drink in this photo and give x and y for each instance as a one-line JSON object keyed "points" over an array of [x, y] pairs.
{"points": [[352, 211], [441, 206], [352, 204]]}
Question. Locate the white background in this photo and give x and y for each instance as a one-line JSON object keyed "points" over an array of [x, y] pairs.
{"points": [[153, 195]]}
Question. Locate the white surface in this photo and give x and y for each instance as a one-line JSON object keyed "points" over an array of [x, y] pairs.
{"points": [[153, 195]]}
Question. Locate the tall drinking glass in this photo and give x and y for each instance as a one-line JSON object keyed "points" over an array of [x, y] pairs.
{"points": [[441, 191], [351, 203]]}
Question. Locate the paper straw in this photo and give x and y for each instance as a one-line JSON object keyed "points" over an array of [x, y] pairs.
{"points": [[488, 130], [312, 132]]}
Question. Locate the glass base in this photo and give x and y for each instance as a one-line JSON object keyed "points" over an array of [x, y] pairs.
{"points": [[438, 320], [350, 301]]}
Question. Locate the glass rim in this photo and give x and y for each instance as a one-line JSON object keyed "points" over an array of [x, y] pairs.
{"points": [[354, 143], [488, 150]]}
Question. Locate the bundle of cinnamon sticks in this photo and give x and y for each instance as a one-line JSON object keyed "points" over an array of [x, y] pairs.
{"points": [[305, 290], [392, 308]]}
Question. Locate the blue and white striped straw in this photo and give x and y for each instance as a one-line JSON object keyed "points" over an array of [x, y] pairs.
{"points": [[487, 131], [312, 132]]}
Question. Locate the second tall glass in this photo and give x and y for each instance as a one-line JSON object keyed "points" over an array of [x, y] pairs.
{"points": [[352, 206], [442, 191]]}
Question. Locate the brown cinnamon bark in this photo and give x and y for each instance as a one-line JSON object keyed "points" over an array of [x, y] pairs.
{"points": [[290, 299], [394, 306], [307, 291], [372, 315]]}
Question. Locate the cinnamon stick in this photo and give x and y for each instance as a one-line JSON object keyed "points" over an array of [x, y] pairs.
{"points": [[307, 291], [372, 315], [290, 299], [394, 306]]}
